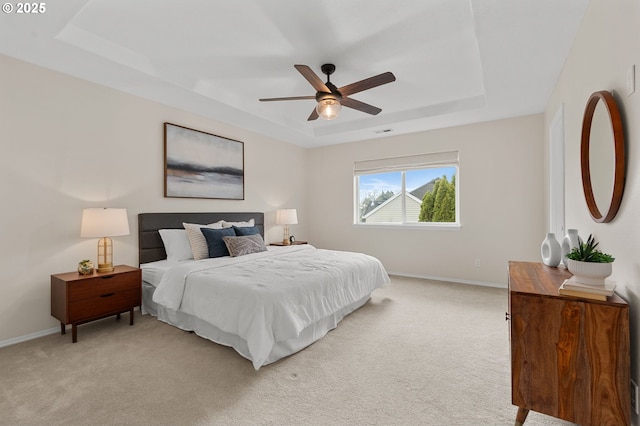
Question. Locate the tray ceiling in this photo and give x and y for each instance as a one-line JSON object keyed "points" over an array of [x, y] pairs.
{"points": [[455, 61]]}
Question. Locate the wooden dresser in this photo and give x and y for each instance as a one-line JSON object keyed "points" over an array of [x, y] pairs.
{"points": [[569, 356]]}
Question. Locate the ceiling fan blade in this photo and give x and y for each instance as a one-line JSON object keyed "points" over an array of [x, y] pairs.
{"points": [[360, 106], [312, 78], [314, 115], [292, 98], [367, 83]]}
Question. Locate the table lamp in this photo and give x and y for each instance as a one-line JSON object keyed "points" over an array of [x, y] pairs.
{"points": [[286, 217], [104, 223]]}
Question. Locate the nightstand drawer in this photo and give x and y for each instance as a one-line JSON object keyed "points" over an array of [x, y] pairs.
{"points": [[101, 304], [97, 287]]}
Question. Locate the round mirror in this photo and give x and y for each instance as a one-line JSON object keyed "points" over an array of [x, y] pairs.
{"points": [[602, 157]]}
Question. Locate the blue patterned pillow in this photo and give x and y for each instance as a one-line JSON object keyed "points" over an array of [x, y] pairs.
{"points": [[215, 244], [247, 244], [246, 230]]}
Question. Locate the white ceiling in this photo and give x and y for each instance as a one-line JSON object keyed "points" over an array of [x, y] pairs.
{"points": [[455, 61]]}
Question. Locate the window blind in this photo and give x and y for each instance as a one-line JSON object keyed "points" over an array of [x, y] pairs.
{"points": [[409, 162]]}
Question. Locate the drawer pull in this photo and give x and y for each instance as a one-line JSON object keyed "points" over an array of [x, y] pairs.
{"points": [[107, 277], [107, 295]]}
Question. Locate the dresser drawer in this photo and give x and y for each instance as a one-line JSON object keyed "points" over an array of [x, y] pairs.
{"points": [[105, 303], [98, 287]]}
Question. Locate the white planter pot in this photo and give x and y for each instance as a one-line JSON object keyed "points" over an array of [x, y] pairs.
{"points": [[589, 273], [570, 240]]}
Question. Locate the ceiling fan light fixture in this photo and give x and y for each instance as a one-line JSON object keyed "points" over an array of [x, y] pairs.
{"points": [[328, 108], [329, 98]]}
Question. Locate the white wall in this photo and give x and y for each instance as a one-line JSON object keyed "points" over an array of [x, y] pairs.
{"points": [[501, 201], [606, 45], [68, 144]]}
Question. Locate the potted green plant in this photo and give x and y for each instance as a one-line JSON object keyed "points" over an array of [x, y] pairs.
{"points": [[588, 264]]}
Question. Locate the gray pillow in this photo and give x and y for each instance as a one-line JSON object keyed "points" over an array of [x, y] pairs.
{"points": [[239, 246]]}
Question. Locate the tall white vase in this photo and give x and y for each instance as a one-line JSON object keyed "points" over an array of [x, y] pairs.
{"points": [[550, 250], [569, 241]]}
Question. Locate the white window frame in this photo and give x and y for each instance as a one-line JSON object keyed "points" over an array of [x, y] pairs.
{"points": [[404, 164]]}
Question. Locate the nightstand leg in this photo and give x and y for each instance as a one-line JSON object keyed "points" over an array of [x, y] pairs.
{"points": [[63, 328], [74, 333], [118, 316], [131, 316], [521, 416]]}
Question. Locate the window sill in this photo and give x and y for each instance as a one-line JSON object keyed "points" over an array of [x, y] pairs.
{"points": [[410, 226]]}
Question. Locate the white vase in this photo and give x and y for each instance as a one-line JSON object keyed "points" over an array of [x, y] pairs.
{"points": [[590, 273], [550, 250], [569, 241]]}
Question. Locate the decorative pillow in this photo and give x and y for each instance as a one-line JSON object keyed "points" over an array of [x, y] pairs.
{"points": [[176, 244], [198, 244], [217, 247], [245, 230], [226, 224], [239, 246]]}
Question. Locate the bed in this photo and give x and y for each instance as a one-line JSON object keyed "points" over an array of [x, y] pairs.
{"points": [[266, 304]]}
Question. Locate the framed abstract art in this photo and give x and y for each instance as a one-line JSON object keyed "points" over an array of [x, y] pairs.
{"points": [[202, 165]]}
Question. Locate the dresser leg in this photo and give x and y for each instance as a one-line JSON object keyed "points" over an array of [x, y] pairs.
{"points": [[63, 328], [521, 416], [74, 333], [131, 316]]}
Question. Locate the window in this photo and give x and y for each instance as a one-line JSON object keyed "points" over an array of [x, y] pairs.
{"points": [[414, 190]]}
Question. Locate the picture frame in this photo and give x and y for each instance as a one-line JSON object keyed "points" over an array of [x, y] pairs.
{"points": [[202, 165]]}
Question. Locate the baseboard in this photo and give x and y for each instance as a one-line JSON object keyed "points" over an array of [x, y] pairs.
{"points": [[31, 336], [53, 330], [452, 280], [35, 335]]}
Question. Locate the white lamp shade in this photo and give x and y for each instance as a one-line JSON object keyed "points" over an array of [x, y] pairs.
{"points": [[286, 217], [103, 222]]}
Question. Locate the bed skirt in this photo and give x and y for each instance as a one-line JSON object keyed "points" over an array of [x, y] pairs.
{"points": [[187, 322]]}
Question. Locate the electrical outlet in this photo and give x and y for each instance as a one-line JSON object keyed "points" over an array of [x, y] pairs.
{"points": [[631, 80], [634, 397], [477, 263]]}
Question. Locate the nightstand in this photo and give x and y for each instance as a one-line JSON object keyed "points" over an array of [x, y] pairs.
{"points": [[295, 243], [77, 299]]}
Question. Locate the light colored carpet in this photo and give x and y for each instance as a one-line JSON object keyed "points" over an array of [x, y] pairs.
{"points": [[418, 353]]}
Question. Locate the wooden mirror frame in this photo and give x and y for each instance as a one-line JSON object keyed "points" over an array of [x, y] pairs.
{"points": [[620, 156]]}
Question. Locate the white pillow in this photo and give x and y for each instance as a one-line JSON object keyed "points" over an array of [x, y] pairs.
{"points": [[176, 244], [226, 224], [198, 244]]}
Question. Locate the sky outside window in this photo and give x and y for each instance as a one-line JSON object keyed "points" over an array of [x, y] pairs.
{"points": [[393, 181]]}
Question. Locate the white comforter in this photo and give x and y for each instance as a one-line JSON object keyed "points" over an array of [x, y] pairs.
{"points": [[270, 296]]}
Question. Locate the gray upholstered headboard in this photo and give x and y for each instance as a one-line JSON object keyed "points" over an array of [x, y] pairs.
{"points": [[150, 247]]}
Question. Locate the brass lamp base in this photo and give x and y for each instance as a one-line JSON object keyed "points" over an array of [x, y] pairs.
{"points": [[105, 255], [105, 267], [285, 237]]}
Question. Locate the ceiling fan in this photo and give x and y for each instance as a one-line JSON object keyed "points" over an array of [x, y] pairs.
{"points": [[330, 98]]}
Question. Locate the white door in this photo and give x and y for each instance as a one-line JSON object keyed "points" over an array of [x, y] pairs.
{"points": [[556, 174]]}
